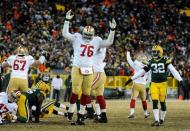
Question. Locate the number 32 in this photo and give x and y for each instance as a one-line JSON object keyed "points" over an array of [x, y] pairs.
{"points": [[158, 68]]}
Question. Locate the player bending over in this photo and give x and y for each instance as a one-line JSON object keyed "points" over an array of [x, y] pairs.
{"points": [[85, 47], [30, 100], [159, 66]]}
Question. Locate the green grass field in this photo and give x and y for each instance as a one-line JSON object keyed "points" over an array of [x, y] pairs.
{"points": [[177, 119]]}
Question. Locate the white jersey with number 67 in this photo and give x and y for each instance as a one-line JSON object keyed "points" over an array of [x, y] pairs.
{"points": [[20, 65]]}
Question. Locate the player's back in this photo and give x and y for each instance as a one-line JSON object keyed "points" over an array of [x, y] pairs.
{"points": [[32, 96], [84, 51], [20, 65]]}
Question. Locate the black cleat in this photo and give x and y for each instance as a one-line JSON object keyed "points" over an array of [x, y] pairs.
{"points": [[155, 123], [103, 118], [69, 116], [161, 122], [80, 120], [90, 113]]}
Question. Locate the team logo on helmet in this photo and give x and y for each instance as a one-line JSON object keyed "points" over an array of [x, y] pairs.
{"points": [[88, 33], [22, 51]]}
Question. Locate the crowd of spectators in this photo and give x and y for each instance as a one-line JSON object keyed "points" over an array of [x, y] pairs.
{"points": [[37, 24]]}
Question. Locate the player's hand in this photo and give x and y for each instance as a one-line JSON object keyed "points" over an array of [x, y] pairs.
{"points": [[112, 24], [68, 15]]}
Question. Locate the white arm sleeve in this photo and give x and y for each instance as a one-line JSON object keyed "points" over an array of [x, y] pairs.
{"points": [[42, 59], [138, 74], [131, 63], [108, 41], [66, 32], [174, 72]]}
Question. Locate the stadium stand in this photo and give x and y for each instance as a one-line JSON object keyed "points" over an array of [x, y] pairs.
{"points": [[38, 24]]}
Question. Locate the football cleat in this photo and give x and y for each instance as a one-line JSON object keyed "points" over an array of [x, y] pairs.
{"points": [[130, 116], [147, 115], [161, 122], [90, 113], [80, 120], [155, 123], [69, 116], [102, 118]]}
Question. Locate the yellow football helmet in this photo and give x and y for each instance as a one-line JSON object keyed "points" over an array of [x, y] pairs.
{"points": [[22, 51], [157, 52], [44, 88], [88, 32]]}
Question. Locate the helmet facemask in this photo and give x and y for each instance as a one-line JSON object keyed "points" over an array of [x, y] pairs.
{"points": [[157, 52], [88, 33]]}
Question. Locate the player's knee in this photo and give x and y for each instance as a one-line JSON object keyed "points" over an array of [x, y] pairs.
{"points": [[163, 106], [155, 104]]}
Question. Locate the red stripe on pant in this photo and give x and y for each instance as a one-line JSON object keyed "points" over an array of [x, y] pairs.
{"points": [[101, 101]]}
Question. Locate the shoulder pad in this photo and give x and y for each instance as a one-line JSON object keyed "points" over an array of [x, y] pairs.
{"points": [[169, 60], [77, 35], [97, 38]]}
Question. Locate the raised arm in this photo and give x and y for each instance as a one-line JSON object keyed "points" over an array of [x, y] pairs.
{"points": [[131, 63], [110, 39], [174, 72], [65, 31]]}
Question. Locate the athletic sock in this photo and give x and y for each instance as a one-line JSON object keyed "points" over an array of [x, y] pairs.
{"points": [[156, 114]]}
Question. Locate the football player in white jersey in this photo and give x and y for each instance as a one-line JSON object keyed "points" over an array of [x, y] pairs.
{"points": [[20, 64], [98, 87], [7, 110], [138, 87], [85, 46]]}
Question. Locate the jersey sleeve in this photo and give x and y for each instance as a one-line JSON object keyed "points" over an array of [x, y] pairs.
{"points": [[174, 72], [66, 33], [10, 60], [109, 41], [129, 60], [168, 61]]}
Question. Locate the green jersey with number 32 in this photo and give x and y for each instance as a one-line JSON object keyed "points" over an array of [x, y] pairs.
{"points": [[158, 69]]}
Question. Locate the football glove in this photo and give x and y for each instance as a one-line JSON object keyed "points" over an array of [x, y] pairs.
{"points": [[129, 81], [68, 15], [112, 24]]}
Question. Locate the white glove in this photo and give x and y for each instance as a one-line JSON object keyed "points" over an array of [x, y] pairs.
{"points": [[68, 15], [112, 24], [42, 59]]}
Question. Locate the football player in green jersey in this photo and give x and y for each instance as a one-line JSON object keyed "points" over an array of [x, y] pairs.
{"points": [[30, 100], [159, 66]]}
